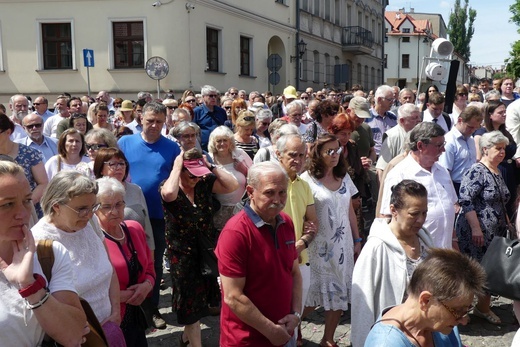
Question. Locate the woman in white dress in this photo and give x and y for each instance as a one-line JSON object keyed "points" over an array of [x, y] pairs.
{"points": [[331, 254]]}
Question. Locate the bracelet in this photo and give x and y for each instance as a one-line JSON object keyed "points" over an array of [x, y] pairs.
{"points": [[455, 239], [148, 281], [33, 288], [39, 303], [358, 240], [212, 167], [305, 242]]}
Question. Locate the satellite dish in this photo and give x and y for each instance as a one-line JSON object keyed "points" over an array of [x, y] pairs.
{"points": [[157, 68], [436, 71], [442, 47]]}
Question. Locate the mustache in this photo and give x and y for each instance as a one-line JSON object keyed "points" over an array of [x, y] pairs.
{"points": [[277, 206]]}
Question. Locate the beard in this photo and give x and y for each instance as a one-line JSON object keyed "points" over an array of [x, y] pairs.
{"points": [[20, 115]]}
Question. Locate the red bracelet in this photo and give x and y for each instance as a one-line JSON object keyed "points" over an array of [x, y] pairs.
{"points": [[34, 287]]}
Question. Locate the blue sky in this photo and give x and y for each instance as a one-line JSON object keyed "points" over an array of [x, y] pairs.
{"points": [[493, 35]]}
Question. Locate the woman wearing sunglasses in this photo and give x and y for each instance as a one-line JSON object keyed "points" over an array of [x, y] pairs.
{"points": [[331, 254], [244, 128]]}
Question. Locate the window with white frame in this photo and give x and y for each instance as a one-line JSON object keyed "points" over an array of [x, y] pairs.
{"points": [[212, 49], [56, 39], [128, 43]]}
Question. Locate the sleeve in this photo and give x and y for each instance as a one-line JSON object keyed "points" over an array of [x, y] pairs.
{"points": [[447, 159], [513, 125], [47, 127], [260, 156], [471, 186], [147, 224], [232, 252], [62, 272], [350, 184], [385, 155], [390, 181], [51, 167], [371, 137], [146, 260]]}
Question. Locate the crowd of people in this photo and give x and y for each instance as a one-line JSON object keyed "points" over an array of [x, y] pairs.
{"points": [[370, 201]]}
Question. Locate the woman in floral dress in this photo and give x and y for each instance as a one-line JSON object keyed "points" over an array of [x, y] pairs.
{"points": [[331, 254]]}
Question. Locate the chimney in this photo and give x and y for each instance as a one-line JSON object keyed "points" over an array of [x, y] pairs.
{"points": [[412, 10]]}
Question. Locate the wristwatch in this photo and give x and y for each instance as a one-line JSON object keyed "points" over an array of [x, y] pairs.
{"points": [[212, 167], [298, 315], [34, 287]]}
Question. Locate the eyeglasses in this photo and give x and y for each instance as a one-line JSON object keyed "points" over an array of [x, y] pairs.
{"points": [[304, 98], [191, 100], [95, 146], [331, 152], [227, 107], [458, 315], [190, 175], [114, 165], [389, 99], [35, 125], [38, 103], [212, 95], [105, 209], [172, 107], [266, 123], [188, 136], [462, 94], [233, 93], [439, 146], [85, 211], [78, 115], [117, 105], [249, 118]]}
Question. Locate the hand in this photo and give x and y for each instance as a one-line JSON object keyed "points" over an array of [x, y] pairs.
{"points": [[290, 322], [179, 160], [517, 160], [141, 290], [279, 335], [125, 295], [455, 245], [477, 237], [115, 316], [366, 162], [310, 228], [20, 271], [357, 249]]}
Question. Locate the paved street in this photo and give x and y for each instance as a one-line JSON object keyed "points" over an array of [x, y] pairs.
{"points": [[478, 333]]}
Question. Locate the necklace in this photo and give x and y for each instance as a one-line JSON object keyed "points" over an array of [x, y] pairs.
{"points": [[113, 237]]}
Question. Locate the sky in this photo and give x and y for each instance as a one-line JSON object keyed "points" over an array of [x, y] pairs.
{"points": [[493, 35]]}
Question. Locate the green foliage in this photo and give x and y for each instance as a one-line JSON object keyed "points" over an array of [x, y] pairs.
{"points": [[513, 62], [460, 28]]}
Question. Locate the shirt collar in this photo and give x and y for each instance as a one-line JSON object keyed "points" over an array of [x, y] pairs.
{"points": [[259, 222]]}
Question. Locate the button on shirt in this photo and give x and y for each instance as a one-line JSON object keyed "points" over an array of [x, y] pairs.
{"points": [[441, 197], [460, 153], [380, 125]]}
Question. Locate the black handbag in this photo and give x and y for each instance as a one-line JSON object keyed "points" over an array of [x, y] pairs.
{"points": [[144, 314], [501, 265], [207, 257]]}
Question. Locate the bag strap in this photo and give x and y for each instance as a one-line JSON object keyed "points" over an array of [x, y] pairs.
{"points": [[501, 199], [45, 257]]}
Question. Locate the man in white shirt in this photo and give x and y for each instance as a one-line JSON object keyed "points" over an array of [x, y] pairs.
{"points": [[434, 111], [62, 106], [295, 111], [426, 146]]}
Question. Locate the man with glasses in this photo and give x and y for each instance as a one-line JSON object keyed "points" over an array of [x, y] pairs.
{"points": [[426, 146], [33, 125], [382, 119], [19, 106], [104, 96], [171, 105], [233, 93], [208, 115], [136, 125], [41, 108], [295, 111]]}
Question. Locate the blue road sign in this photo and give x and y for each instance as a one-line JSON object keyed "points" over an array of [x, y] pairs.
{"points": [[88, 57]]}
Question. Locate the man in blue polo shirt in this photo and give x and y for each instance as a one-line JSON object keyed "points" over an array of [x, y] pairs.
{"points": [[151, 156], [208, 116]]}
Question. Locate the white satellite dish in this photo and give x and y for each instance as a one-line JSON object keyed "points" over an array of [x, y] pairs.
{"points": [[442, 47], [436, 71]]}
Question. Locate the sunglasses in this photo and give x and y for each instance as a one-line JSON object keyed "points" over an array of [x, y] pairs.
{"points": [[95, 147], [114, 165], [233, 93], [227, 107], [190, 175], [172, 107], [331, 152], [191, 100], [212, 95], [305, 98], [38, 103], [35, 125], [249, 118]]}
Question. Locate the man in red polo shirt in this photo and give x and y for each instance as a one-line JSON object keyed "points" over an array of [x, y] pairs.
{"points": [[258, 265]]}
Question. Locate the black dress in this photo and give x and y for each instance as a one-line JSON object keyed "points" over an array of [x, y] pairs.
{"points": [[191, 292]]}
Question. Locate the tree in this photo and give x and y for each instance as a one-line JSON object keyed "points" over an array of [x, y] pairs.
{"points": [[460, 28], [513, 62]]}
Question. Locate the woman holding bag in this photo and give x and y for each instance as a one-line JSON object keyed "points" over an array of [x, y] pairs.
{"points": [[130, 256], [483, 197]]}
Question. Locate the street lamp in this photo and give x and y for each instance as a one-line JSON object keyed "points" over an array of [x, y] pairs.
{"points": [[301, 47]]}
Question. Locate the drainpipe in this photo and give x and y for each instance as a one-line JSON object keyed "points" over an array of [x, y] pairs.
{"points": [[297, 55]]}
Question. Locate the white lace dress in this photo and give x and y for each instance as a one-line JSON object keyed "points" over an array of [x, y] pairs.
{"points": [[91, 265], [331, 254]]}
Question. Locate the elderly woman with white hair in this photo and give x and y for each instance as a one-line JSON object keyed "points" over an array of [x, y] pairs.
{"points": [[277, 129], [263, 118], [129, 254], [483, 197], [236, 161]]}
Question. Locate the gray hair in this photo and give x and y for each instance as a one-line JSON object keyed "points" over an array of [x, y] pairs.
{"points": [[221, 131], [490, 139], [281, 144], [259, 170], [492, 94], [175, 114], [181, 128], [103, 134], [264, 113], [275, 125], [143, 95], [109, 186], [424, 132], [286, 129], [406, 90], [155, 108], [381, 92], [296, 103], [65, 186], [406, 110], [205, 90]]}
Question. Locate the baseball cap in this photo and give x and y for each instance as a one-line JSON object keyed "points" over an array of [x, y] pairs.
{"points": [[361, 106], [126, 106], [289, 92], [196, 167]]}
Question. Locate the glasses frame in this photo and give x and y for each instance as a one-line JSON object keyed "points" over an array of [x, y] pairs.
{"points": [[105, 210], [455, 315], [84, 212], [91, 147], [330, 152], [115, 166]]}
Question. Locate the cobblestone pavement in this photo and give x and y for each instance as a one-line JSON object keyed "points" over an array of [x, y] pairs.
{"points": [[478, 333]]}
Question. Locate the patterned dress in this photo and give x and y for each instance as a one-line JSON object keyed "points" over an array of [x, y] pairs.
{"points": [[27, 158], [331, 254], [479, 193], [191, 292]]}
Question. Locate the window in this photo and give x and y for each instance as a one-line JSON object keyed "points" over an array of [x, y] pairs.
{"points": [[405, 61], [385, 61], [316, 66], [57, 46], [406, 30], [245, 56], [212, 38], [128, 45], [406, 39]]}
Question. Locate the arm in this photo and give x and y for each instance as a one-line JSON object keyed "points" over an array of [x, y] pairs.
{"points": [[296, 303], [170, 188], [354, 227], [310, 228], [246, 311], [477, 146], [114, 294], [225, 183], [41, 179], [476, 232], [146, 280]]}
